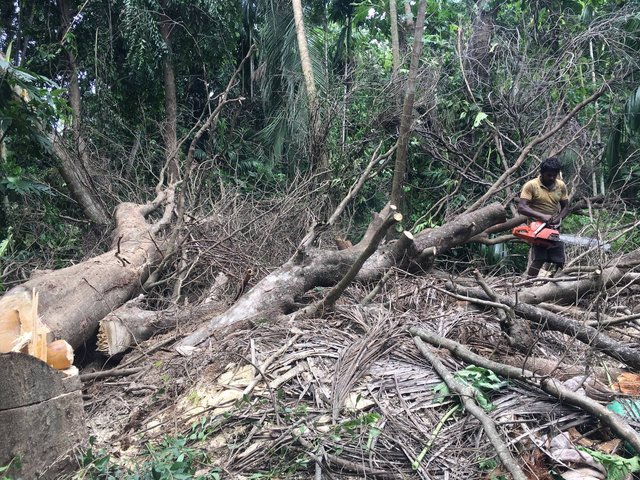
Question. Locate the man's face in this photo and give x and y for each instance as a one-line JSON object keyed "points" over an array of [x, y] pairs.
{"points": [[548, 177]]}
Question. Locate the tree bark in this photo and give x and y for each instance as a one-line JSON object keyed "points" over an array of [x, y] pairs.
{"points": [[395, 42], [74, 299], [546, 320], [400, 170], [41, 418], [318, 131], [479, 46], [75, 166], [305, 59], [170, 127], [574, 290], [279, 292]]}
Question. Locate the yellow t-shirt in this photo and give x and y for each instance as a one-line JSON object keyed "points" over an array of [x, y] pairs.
{"points": [[542, 199]]}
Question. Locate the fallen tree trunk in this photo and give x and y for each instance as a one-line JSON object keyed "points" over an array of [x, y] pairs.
{"points": [[573, 290], [278, 292], [132, 324], [74, 299]]}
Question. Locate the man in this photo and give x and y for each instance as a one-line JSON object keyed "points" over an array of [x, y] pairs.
{"points": [[545, 199]]}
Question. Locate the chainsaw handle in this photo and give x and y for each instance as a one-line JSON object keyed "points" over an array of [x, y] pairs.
{"points": [[540, 228]]}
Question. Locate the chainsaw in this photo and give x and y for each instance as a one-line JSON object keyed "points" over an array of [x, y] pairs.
{"points": [[538, 233], [546, 235]]}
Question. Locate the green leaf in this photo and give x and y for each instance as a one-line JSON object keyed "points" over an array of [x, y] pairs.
{"points": [[618, 468], [4, 245], [480, 117], [442, 392], [632, 111]]}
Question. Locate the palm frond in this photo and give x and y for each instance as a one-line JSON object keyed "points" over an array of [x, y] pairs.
{"points": [[632, 112]]}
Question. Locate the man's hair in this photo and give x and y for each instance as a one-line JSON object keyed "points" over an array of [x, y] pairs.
{"points": [[551, 164]]}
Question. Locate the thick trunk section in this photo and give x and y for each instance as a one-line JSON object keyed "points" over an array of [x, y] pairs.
{"points": [[305, 59], [395, 42], [170, 129], [131, 324], [74, 299], [478, 54], [318, 129], [278, 292], [41, 418]]}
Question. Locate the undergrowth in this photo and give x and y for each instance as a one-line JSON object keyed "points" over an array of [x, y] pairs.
{"points": [[174, 458]]}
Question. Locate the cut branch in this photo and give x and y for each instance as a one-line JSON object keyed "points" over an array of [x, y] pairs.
{"points": [[549, 385], [550, 321], [467, 395]]}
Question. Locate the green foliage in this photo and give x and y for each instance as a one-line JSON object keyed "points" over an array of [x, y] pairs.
{"points": [[362, 430], [618, 468], [490, 465], [620, 155], [172, 458], [15, 464], [480, 379]]}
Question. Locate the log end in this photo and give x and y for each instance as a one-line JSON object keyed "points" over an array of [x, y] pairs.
{"points": [[59, 355], [113, 337]]}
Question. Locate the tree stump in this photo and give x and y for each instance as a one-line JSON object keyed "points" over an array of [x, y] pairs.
{"points": [[41, 417]]}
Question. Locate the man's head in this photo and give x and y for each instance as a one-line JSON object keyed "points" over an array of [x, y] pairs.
{"points": [[549, 171]]}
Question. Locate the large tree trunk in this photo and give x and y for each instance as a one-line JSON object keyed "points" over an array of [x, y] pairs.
{"points": [[74, 299], [318, 130], [279, 292], [305, 59], [395, 42], [478, 54]]}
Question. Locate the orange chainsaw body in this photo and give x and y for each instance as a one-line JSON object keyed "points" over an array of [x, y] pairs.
{"points": [[538, 233]]}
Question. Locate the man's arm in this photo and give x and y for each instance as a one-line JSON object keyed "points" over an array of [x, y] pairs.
{"points": [[525, 209], [564, 210]]}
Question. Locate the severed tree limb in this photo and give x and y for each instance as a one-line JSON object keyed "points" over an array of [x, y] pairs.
{"points": [[277, 293], [132, 324], [315, 230], [466, 395], [371, 295], [550, 385], [550, 321], [495, 240], [116, 372], [330, 299], [607, 322]]}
